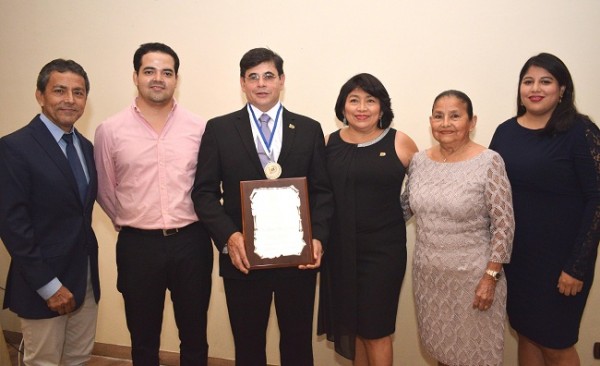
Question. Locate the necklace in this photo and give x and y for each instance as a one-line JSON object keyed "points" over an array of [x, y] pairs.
{"points": [[355, 137], [452, 153]]}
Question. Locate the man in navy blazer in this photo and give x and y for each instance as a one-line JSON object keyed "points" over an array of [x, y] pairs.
{"points": [[46, 222], [229, 153]]}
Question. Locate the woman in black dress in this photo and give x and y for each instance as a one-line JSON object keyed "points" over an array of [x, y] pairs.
{"points": [[552, 157], [366, 256]]}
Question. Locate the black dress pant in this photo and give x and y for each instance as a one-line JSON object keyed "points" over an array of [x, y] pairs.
{"points": [[148, 264], [249, 305]]}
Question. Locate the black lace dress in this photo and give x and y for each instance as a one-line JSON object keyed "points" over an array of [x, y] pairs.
{"points": [[556, 197]]}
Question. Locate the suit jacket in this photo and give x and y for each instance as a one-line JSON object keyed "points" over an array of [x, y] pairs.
{"points": [[43, 223], [228, 155]]}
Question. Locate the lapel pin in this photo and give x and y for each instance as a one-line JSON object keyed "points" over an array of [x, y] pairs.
{"points": [[382, 153]]}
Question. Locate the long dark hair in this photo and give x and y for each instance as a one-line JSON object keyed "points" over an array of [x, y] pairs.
{"points": [[565, 113]]}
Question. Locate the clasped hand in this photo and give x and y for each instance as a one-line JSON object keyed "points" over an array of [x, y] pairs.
{"points": [[63, 301]]}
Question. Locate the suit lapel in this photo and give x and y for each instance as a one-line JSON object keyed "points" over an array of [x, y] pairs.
{"points": [[47, 142], [242, 124], [289, 133]]}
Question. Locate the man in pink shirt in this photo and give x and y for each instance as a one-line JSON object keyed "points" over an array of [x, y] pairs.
{"points": [[146, 158]]}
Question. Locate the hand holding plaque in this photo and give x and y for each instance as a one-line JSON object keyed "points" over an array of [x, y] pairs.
{"points": [[317, 256], [237, 252]]}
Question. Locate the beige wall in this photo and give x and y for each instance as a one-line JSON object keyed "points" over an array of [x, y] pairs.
{"points": [[416, 48]]}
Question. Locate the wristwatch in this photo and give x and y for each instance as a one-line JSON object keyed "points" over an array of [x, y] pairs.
{"points": [[495, 274]]}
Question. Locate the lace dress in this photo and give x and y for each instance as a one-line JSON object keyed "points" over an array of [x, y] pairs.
{"points": [[555, 181], [464, 219]]}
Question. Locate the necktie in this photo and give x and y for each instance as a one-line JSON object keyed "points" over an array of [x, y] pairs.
{"points": [[76, 167], [264, 127]]}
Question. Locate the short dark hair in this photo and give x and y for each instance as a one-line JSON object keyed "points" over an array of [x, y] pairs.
{"points": [[565, 113], [459, 95], [61, 65], [153, 47], [370, 84], [257, 56]]}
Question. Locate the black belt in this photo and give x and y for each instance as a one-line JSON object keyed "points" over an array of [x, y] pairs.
{"points": [[154, 232]]}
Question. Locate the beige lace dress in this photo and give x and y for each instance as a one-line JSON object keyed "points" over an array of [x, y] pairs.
{"points": [[464, 219]]}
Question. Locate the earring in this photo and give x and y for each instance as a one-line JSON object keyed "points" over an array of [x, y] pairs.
{"points": [[345, 121], [380, 124], [560, 99]]}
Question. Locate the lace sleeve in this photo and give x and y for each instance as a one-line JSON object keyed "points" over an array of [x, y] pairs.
{"points": [[498, 196], [587, 164], [404, 197]]}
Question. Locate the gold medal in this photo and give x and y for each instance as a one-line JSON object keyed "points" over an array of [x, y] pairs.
{"points": [[272, 170]]}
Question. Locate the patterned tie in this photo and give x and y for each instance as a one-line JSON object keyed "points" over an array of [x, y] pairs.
{"points": [[76, 167], [264, 127]]}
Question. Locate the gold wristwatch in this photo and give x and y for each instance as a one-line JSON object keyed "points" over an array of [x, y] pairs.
{"points": [[495, 274]]}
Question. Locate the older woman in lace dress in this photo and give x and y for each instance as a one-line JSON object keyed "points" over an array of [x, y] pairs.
{"points": [[460, 196]]}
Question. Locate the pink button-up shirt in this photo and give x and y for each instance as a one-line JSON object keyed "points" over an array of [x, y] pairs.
{"points": [[145, 179]]}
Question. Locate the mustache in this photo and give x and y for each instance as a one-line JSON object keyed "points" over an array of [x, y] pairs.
{"points": [[157, 83]]}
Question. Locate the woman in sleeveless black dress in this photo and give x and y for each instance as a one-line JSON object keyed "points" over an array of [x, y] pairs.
{"points": [[366, 257]]}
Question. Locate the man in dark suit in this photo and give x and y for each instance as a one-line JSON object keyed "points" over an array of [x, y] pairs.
{"points": [[47, 192], [231, 151]]}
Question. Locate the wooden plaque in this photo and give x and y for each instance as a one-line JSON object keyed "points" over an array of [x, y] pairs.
{"points": [[276, 222]]}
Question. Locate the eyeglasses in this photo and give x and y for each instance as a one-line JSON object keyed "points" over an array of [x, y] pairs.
{"points": [[267, 77]]}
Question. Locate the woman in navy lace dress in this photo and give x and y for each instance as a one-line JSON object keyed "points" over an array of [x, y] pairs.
{"points": [[552, 157]]}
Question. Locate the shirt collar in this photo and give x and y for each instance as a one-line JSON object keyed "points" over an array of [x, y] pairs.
{"points": [[271, 112], [56, 131], [137, 110]]}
